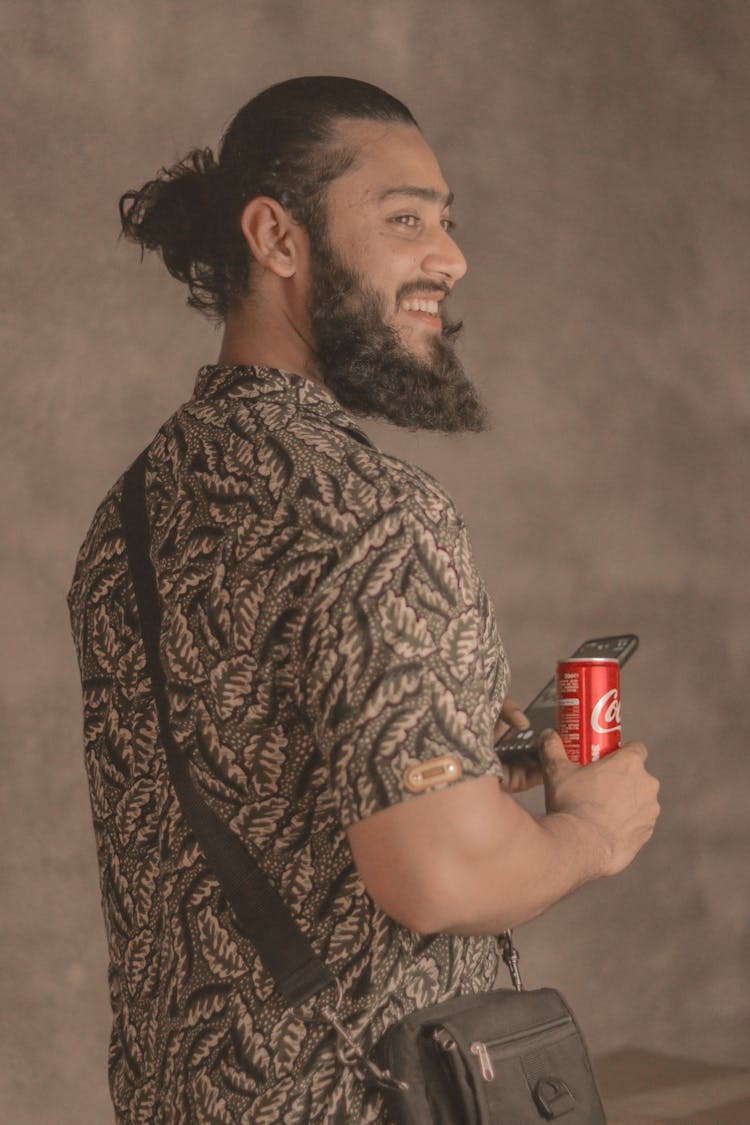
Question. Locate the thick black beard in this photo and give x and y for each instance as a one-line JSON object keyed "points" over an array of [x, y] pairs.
{"points": [[363, 362]]}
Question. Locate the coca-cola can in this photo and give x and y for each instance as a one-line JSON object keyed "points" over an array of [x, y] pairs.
{"points": [[589, 718]]}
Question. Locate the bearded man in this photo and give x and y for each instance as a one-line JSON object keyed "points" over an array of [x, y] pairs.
{"points": [[336, 680]]}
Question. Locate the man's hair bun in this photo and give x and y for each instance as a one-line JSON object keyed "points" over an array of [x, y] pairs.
{"points": [[282, 143], [180, 214]]}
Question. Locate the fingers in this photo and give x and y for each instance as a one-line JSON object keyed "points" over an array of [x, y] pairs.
{"points": [[516, 779], [551, 749], [636, 748], [513, 713]]}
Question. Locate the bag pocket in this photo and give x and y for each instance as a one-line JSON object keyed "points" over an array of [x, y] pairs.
{"points": [[499, 1058], [540, 1075]]}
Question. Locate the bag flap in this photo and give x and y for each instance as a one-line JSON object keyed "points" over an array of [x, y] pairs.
{"points": [[504, 1013]]}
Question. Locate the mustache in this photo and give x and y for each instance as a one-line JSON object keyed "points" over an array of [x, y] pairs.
{"points": [[339, 285], [411, 287], [451, 328]]}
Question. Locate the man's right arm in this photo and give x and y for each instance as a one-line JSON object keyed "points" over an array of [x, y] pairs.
{"points": [[469, 860]]}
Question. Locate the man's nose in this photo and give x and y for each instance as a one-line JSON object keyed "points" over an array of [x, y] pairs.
{"points": [[444, 257]]}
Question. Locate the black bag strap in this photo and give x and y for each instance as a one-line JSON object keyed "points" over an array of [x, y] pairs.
{"points": [[260, 913]]}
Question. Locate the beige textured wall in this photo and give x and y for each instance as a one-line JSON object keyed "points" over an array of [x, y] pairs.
{"points": [[599, 154]]}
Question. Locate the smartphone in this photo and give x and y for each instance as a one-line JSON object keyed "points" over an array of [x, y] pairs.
{"points": [[520, 746]]}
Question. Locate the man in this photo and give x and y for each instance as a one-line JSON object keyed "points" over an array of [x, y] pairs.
{"points": [[325, 635]]}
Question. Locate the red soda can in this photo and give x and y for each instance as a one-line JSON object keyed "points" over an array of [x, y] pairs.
{"points": [[588, 707]]}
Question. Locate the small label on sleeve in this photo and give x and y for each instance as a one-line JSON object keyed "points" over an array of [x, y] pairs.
{"points": [[436, 771]]}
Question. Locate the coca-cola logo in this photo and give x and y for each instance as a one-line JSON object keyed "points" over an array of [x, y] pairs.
{"points": [[606, 716]]}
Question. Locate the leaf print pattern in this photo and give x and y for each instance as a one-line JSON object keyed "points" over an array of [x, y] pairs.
{"points": [[286, 1042], [219, 948], [230, 683], [403, 629], [398, 683], [383, 570], [104, 641], [144, 888], [248, 599], [131, 807], [459, 645], [181, 654], [324, 628], [203, 1045], [209, 1104], [422, 983]]}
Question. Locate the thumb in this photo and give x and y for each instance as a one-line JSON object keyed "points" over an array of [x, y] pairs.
{"points": [[551, 749]]}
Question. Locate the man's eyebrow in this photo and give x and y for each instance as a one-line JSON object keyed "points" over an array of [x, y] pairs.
{"points": [[431, 195]]}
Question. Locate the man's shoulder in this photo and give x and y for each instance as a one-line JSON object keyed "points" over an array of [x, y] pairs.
{"points": [[302, 452], [421, 491], [270, 477], [361, 481]]}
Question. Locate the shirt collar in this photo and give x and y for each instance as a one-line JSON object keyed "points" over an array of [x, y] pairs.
{"points": [[217, 378]]}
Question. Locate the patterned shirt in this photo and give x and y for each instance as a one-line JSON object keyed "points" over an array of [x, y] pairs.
{"points": [[325, 633]]}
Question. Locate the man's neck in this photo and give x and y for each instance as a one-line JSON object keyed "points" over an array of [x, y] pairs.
{"points": [[259, 334]]}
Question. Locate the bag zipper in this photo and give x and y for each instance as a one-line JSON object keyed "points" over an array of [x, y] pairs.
{"points": [[550, 1025], [485, 1062], [480, 1049]]}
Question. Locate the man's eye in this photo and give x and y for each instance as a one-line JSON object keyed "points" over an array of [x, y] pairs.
{"points": [[414, 221]]}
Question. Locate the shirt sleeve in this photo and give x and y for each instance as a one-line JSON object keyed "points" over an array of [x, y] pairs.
{"points": [[392, 665]]}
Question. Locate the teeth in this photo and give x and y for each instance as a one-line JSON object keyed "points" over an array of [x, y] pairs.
{"points": [[415, 305]]}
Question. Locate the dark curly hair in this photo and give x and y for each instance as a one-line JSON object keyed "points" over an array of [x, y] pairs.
{"points": [[280, 145]]}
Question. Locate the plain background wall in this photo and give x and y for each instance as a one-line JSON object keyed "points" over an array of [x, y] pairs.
{"points": [[599, 155]]}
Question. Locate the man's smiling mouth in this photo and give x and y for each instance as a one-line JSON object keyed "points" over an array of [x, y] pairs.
{"points": [[419, 304], [426, 309]]}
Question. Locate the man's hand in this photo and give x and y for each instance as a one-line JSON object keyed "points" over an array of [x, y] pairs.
{"points": [[616, 797], [516, 778]]}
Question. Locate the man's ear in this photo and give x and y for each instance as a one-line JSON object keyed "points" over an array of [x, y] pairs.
{"points": [[272, 235]]}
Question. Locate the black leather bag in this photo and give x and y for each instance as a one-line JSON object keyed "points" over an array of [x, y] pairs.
{"points": [[500, 1056], [508, 1056]]}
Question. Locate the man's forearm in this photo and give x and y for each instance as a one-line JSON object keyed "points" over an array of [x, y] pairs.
{"points": [[508, 882], [470, 860]]}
